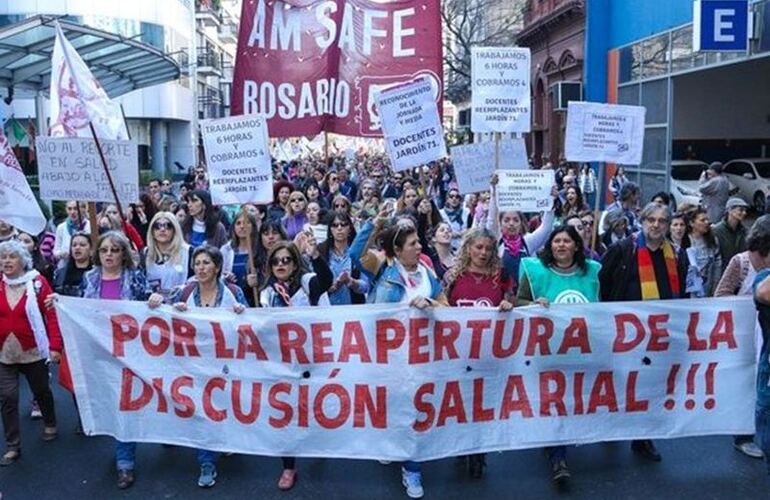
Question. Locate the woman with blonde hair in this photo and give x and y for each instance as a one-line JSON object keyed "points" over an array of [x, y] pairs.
{"points": [[295, 219], [166, 261]]}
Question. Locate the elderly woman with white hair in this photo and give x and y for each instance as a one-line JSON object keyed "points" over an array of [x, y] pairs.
{"points": [[29, 338]]}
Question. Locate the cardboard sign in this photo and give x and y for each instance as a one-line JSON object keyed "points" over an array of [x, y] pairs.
{"points": [[605, 132], [525, 190], [238, 159], [475, 163], [411, 125], [500, 84], [69, 168]]}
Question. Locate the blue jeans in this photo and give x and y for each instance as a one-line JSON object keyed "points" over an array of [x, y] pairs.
{"points": [[762, 420], [125, 456], [412, 466]]}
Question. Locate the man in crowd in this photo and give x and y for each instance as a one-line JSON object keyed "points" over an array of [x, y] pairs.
{"points": [[729, 232], [644, 267], [153, 189], [627, 203], [348, 188], [715, 189]]}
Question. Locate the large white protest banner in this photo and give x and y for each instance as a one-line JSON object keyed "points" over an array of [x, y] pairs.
{"points": [[18, 206], [387, 381], [525, 190], [605, 132], [500, 99], [475, 163], [411, 125], [69, 168], [238, 159]]}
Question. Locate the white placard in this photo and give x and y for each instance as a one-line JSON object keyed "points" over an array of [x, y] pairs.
{"points": [[411, 125], [238, 159], [69, 168], [605, 132], [475, 163], [500, 84], [525, 190]]}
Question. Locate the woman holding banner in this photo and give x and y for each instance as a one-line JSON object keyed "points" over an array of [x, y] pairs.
{"points": [[514, 243], [29, 339], [561, 274], [399, 276], [289, 284], [478, 279], [270, 233], [207, 290], [167, 259], [114, 277]]}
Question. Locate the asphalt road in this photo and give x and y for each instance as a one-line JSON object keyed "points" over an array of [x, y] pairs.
{"points": [[76, 467]]}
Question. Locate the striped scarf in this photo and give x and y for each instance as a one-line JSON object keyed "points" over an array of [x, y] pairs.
{"points": [[647, 272]]}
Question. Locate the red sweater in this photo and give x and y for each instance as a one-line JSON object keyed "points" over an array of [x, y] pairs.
{"points": [[15, 320]]}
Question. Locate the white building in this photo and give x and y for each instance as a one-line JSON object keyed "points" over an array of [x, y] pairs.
{"points": [[162, 119]]}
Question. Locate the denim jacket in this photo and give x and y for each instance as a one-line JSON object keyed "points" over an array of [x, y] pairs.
{"points": [[387, 285], [133, 285]]}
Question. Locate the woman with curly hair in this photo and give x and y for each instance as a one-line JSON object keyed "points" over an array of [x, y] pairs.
{"points": [[705, 260], [478, 279]]}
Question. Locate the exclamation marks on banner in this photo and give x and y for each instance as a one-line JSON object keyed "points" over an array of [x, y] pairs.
{"points": [[691, 383]]}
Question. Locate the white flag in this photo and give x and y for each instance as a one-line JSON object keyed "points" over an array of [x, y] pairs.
{"points": [[18, 206], [77, 97]]}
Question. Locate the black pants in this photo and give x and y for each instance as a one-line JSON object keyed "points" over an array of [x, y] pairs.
{"points": [[37, 377]]}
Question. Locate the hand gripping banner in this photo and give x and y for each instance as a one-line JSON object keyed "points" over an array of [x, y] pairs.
{"points": [[391, 382]]}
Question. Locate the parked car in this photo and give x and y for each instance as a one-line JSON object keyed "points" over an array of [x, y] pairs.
{"points": [[684, 181], [752, 178]]}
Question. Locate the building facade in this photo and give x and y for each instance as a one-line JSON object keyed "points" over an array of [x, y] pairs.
{"points": [[554, 30], [709, 106]]}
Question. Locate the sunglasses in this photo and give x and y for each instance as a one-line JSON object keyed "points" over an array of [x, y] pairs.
{"points": [[106, 250], [453, 196], [338, 225], [158, 226], [340, 205], [588, 223], [281, 260], [296, 199]]}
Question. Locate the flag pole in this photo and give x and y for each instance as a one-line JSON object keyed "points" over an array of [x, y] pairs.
{"points": [[107, 172], [599, 193]]}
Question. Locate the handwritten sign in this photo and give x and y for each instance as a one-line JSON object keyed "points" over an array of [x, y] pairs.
{"points": [[500, 86], [411, 125], [525, 190], [238, 159], [605, 132], [475, 163], [69, 168]]}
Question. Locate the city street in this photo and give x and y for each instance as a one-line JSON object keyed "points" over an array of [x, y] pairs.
{"points": [[76, 467]]}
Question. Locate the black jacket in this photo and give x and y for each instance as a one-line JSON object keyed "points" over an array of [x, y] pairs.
{"points": [[619, 277]]}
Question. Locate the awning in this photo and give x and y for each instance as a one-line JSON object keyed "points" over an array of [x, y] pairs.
{"points": [[120, 64]]}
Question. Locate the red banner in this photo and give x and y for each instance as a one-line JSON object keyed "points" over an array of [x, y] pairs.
{"points": [[315, 65]]}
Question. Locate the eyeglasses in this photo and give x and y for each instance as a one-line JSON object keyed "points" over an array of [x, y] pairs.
{"points": [[281, 260], [588, 223], [338, 225], [159, 226], [453, 196], [106, 250]]}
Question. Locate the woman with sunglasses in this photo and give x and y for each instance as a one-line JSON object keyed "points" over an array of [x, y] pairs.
{"points": [[270, 233], [290, 284], [208, 289], [202, 227], [235, 253], [398, 276], [115, 277], [340, 204], [349, 286], [167, 259], [295, 219]]}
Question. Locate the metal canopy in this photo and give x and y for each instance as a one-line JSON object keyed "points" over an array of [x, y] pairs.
{"points": [[120, 64]]}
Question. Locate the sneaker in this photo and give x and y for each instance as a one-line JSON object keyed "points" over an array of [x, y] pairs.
{"points": [[412, 481], [560, 472], [35, 413], [287, 479], [125, 478], [208, 476], [749, 449]]}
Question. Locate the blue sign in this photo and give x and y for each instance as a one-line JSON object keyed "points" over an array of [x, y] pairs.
{"points": [[721, 25]]}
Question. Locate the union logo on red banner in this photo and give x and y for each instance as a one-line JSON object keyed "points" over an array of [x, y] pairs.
{"points": [[313, 66]]}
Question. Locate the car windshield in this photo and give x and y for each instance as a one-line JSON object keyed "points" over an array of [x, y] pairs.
{"points": [[763, 168], [686, 172]]}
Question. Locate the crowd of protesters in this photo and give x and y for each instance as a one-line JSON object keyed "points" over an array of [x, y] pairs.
{"points": [[350, 231]]}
